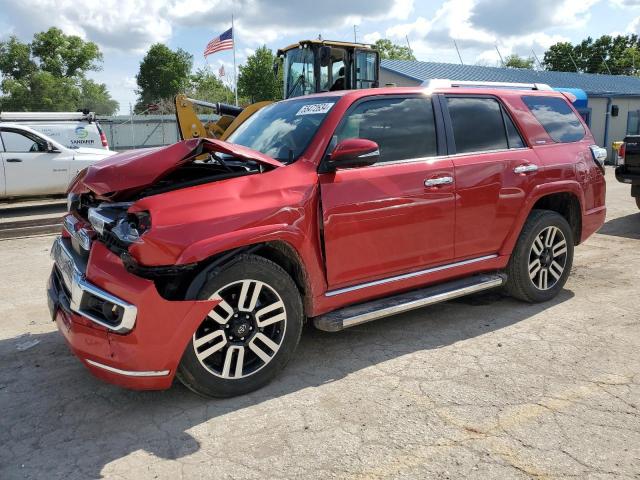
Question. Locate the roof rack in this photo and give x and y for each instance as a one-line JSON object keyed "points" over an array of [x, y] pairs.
{"points": [[46, 116], [445, 83]]}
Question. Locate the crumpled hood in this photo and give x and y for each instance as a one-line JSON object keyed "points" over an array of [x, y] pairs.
{"points": [[137, 169]]}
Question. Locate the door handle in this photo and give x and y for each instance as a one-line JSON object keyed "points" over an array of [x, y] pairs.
{"points": [[436, 182], [526, 168], [14, 160]]}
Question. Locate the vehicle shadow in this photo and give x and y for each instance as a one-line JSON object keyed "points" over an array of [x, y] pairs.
{"points": [[58, 421], [627, 226]]}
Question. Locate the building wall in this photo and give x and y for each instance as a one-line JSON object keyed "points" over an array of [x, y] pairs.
{"points": [[598, 108], [617, 125], [387, 76]]}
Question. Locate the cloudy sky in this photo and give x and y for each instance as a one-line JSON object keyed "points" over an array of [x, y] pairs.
{"points": [[124, 29]]}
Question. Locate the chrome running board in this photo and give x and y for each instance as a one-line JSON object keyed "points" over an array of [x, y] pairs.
{"points": [[384, 307]]}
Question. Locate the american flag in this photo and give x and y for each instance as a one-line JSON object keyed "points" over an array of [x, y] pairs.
{"points": [[223, 42]]}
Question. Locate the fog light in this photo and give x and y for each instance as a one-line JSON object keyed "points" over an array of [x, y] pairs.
{"points": [[112, 313]]}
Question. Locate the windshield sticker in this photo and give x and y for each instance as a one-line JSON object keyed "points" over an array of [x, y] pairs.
{"points": [[315, 108]]}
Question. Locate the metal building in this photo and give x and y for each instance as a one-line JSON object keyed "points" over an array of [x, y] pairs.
{"points": [[610, 104]]}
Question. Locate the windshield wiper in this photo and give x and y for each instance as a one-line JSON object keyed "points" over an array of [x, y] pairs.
{"points": [[293, 87]]}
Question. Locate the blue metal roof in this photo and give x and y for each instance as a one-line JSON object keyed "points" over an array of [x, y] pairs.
{"points": [[593, 84]]}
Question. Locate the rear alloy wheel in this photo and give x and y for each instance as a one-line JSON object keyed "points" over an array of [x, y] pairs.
{"points": [[547, 258], [249, 336], [541, 261]]}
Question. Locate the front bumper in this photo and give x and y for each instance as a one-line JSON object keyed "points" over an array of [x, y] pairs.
{"points": [[144, 349]]}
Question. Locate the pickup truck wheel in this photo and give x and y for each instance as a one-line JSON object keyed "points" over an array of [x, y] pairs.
{"points": [[541, 262], [249, 336]]}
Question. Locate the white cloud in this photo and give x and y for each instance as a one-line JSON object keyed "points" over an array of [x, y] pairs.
{"points": [[113, 24]]}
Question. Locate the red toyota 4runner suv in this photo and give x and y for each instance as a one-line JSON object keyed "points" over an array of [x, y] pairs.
{"points": [[202, 260]]}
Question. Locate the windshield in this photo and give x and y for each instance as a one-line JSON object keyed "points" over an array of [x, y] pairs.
{"points": [[283, 130], [298, 72]]}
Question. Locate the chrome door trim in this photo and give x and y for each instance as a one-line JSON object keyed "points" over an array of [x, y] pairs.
{"points": [[435, 182], [406, 276], [526, 168]]}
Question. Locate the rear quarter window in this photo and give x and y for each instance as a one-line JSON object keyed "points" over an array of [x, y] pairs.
{"points": [[557, 118]]}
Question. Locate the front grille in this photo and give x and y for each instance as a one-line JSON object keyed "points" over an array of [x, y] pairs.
{"points": [[64, 295], [113, 243]]}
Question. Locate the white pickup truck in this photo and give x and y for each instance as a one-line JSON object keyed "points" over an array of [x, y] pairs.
{"points": [[35, 164]]}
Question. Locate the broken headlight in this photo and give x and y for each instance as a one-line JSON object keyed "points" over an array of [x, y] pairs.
{"points": [[130, 228]]}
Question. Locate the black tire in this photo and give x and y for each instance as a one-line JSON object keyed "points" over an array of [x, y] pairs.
{"points": [[204, 377], [637, 202], [520, 284]]}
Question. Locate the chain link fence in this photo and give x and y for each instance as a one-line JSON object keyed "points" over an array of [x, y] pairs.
{"points": [[127, 132]]}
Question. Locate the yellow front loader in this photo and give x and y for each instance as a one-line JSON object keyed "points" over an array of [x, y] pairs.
{"points": [[310, 66], [231, 117]]}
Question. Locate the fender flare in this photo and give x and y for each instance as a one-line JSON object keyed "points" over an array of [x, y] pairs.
{"points": [[226, 247], [539, 191]]}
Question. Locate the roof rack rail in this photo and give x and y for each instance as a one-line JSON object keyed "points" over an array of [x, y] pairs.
{"points": [[46, 116], [446, 83]]}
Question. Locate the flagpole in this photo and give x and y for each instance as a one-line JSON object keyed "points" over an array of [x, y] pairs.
{"points": [[235, 75]]}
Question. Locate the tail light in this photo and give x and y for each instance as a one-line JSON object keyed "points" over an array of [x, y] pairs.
{"points": [[599, 156], [621, 153]]}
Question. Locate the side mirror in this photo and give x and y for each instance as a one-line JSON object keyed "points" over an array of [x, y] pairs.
{"points": [[51, 148], [353, 153]]}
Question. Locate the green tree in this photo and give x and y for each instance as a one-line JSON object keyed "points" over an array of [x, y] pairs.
{"points": [[256, 80], [393, 51], [49, 74], [559, 57], [163, 73], [615, 55], [95, 98], [40, 91], [516, 61], [65, 55], [15, 59], [204, 85]]}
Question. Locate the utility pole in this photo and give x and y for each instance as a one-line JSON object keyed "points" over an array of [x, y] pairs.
{"points": [[537, 59], [500, 55], [133, 132], [235, 74], [605, 64], [408, 45], [457, 50], [574, 63]]}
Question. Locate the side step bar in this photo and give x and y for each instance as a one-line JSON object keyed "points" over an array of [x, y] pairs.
{"points": [[384, 307]]}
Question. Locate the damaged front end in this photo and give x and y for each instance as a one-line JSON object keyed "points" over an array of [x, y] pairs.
{"points": [[102, 199], [128, 322]]}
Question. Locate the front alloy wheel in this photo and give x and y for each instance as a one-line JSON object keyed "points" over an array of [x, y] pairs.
{"points": [[243, 332], [250, 335]]}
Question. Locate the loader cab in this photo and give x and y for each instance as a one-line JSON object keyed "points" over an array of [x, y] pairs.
{"points": [[314, 66]]}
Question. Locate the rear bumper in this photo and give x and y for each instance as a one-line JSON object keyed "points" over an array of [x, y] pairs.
{"points": [[592, 220], [624, 176], [144, 358]]}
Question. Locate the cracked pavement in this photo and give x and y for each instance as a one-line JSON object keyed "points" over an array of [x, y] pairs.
{"points": [[482, 387]]}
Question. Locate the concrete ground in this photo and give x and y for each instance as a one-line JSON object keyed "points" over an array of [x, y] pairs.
{"points": [[484, 387]]}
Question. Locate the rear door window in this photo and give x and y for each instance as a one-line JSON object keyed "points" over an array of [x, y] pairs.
{"points": [[404, 128], [478, 124], [557, 118]]}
